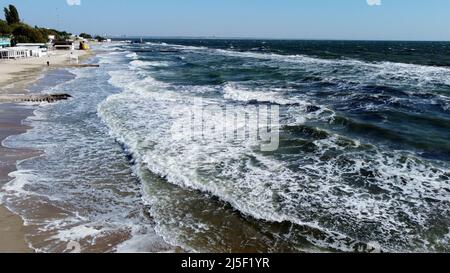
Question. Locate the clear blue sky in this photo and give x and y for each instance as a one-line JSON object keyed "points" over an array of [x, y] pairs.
{"points": [[302, 19]]}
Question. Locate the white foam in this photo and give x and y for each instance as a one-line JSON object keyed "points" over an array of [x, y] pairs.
{"points": [[240, 93], [132, 55], [147, 64], [77, 233], [144, 242], [298, 106]]}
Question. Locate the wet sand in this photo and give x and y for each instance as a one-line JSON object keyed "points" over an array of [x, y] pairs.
{"points": [[15, 77], [12, 234]]}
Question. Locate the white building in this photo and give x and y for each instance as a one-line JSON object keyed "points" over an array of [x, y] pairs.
{"points": [[14, 53], [36, 50]]}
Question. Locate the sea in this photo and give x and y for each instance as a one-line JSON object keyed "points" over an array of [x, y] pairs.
{"points": [[360, 161]]}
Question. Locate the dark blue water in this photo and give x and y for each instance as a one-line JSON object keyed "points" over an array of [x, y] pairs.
{"points": [[369, 85]]}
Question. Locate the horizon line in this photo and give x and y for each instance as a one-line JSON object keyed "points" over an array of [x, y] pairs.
{"points": [[266, 38]]}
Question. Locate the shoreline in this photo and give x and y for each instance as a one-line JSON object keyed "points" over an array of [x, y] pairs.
{"points": [[12, 238], [16, 76]]}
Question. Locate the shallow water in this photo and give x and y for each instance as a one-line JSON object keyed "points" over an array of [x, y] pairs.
{"points": [[363, 155]]}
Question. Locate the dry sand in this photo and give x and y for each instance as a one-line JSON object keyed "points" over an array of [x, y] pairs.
{"points": [[15, 77]]}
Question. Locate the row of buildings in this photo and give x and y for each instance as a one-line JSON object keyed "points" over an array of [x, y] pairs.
{"points": [[21, 51], [28, 50]]}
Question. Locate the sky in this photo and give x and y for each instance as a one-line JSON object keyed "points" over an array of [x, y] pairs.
{"points": [[278, 19]]}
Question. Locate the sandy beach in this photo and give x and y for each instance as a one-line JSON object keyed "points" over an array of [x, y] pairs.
{"points": [[15, 77]]}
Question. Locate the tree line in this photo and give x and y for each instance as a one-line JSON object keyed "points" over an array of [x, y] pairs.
{"points": [[21, 32]]}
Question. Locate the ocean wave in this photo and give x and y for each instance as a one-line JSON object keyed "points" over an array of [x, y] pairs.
{"points": [[300, 109], [357, 70], [345, 191], [66, 194], [240, 93], [132, 55], [147, 64], [349, 190]]}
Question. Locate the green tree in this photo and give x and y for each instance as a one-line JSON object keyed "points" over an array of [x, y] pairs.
{"points": [[26, 34], [100, 38], [23, 33], [59, 35], [85, 36], [12, 15], [5, 29]]}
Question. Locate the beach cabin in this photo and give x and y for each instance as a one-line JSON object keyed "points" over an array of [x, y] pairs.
{"points": [[5, 42], [13, 53], [36, 49], [64, 45]]}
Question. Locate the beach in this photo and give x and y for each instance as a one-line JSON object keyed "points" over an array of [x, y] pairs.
{"points": [[15, 78]]}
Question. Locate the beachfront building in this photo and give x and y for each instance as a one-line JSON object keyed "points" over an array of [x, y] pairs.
{"points": [[24, 50], [36, 49], [13, 53], [5, 41], [64, 45]]}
